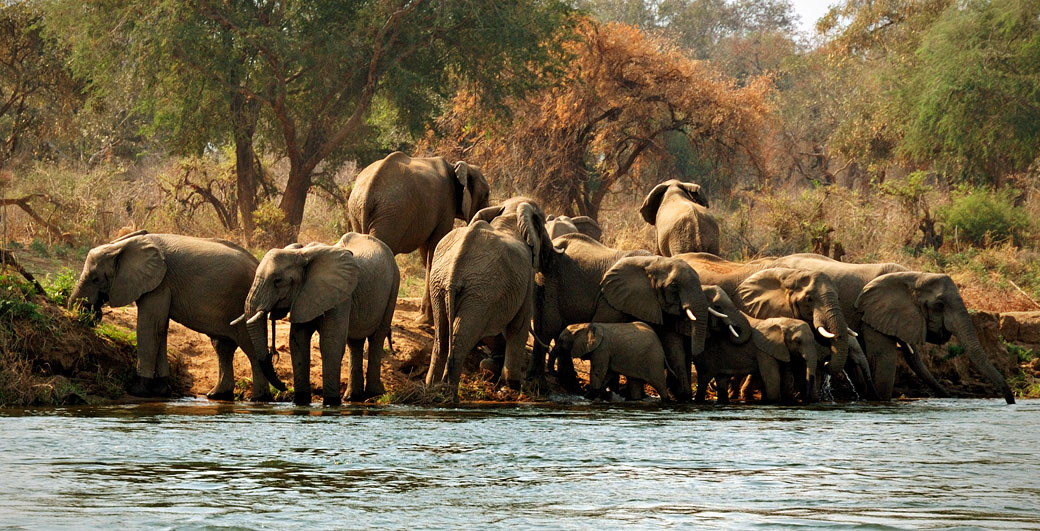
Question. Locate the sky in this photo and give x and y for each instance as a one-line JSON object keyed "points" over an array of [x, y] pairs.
{"points": [[810, 11]]}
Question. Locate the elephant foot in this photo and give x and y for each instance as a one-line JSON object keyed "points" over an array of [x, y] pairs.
{"points": [[375, 390], [331, 401], [215, 394], [262, 397], [150, 387]]}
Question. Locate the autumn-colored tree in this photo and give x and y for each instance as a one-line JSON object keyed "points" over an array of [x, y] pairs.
{"points": [[623, 93]]}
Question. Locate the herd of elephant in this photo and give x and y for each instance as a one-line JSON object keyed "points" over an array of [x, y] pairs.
{"points": [[783, 323]]}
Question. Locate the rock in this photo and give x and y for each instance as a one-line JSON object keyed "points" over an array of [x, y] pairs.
{"points": [[1021, 327]]}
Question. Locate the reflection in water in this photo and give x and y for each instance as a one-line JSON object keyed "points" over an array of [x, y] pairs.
{"points": [[934, 463]]}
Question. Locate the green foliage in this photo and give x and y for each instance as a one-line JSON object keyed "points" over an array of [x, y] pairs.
{"points": [[117, 333], [1022, 354], [60, 285], [16, 299], [981, 216], [973, 98]]}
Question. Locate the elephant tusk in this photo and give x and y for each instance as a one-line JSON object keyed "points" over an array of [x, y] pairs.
{"points": [[853, 333], [717, 313], [911, 349], [823, 332], [733, 331], [256, 317], [238, 320], [689, 313]]}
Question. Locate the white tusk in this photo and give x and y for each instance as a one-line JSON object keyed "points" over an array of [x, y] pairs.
{"points": [[911, 349], [689, 313], [717, 313], [255, 317], [238, 319], [823, 332], [733, 331], [853, 333]]}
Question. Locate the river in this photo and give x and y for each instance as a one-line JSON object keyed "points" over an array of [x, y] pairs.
{"points": [[192, 463]]}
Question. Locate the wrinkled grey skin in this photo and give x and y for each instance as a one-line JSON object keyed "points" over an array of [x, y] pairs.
{"points": [[560, 225], [314, 285], [679, 212], [568, 293], [200, 283], [774, 344], [372, 305], [662, 292], [482, 286], [629, 349], [781, 292], [411, 203], [903, 311]]}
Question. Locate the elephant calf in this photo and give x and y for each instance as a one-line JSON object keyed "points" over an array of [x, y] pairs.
{"points": [[629, 349]]}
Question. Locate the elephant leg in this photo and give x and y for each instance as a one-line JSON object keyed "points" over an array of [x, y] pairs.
{"points": [[769, 371], [721, 389], [703, 378], [635, 388], [425, 308], [356, 382], [598, 371], [881, 351], [675, 352], [441, 344], [373, 374], [464, 339], [225, 387], [332, 341], [913, 358], [300, 352], [153, 319]]}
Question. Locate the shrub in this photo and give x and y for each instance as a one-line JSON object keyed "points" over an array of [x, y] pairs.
{"points": [[981, 216]]}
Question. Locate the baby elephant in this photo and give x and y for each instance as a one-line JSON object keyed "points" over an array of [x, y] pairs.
{"points": [[629, 349]]}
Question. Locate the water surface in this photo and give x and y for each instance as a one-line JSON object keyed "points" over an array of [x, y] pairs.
{"points": [[189, 464]]}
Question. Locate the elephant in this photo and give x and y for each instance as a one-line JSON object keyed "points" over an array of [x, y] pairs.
{"points": [[567, 292], [411, 203], [557, 226], [665, 293], [629, 349], [200, 283], [774, 342], [763, 291], [346, 292], [679, 212], [482, 285], [929, 309]]}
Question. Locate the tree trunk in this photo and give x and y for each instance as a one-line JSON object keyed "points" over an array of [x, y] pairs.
{"points": [[244, 113], [293, 200]]}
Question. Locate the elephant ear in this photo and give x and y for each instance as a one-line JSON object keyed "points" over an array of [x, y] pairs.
{"points": [[530, 222], [695, 193], [764, 295], [139, 232], [487, 214], [652, 203], [770, 339], [889, 305], [139, 268], [627, 287], [462, 174], [587, 338], [588, 227], [329, 278]]}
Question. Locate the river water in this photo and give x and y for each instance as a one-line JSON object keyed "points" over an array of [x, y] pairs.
{"points": [[192, 463]]}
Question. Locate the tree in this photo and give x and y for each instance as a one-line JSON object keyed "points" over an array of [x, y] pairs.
{"points": [[974, 100], [316, 79], [623, 93], [38, 94]]}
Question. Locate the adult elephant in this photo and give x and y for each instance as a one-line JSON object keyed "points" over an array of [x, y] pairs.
{"points": [[763, 292], [346, 293], [411, 203], [482, 285], [679, 212], [198, 282], [665, 293], [558, 226], [901, 311]]}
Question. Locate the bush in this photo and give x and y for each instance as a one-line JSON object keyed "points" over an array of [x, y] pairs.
{"points": [[982, 216]]}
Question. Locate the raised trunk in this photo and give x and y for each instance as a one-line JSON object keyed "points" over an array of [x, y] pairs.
{"points": [[959, 322]]}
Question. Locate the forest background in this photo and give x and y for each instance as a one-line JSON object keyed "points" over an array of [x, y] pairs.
{"points": [[898, 130]]}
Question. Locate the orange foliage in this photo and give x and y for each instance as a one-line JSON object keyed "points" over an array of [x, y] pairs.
{"points": [[603, 124]]}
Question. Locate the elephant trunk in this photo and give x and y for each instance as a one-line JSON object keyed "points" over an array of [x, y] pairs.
{"points": [[80, 294], [833, 322], [256, 314], [959, 322]]}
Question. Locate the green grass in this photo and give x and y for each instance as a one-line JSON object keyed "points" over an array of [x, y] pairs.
{"points": [[117, 333]]}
